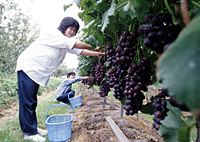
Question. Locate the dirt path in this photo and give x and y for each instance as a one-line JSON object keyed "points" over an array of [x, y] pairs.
{"points": [[88, 125], [12, 112]]}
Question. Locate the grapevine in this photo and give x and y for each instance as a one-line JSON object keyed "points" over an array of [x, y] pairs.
{"points": [[139, 39]]}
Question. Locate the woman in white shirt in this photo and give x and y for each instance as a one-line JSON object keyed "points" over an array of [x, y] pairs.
{"points": [[35, 66]]}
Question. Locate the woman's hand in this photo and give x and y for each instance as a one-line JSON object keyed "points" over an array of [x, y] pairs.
{"points": [[91, 53], [101, 54], [98, 49]]}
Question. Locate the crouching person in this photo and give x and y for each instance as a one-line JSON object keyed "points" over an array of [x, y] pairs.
{"points": [[64, 92]]}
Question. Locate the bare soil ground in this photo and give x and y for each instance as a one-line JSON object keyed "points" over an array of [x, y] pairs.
{"points": [[89, 125], [12, 112]]}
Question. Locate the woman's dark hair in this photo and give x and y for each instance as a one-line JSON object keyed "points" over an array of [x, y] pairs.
{"points": [[67, 22], [70, 73]]}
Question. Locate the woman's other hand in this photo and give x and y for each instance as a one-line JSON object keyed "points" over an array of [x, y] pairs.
{"points": [[85, 77], [98, 49]]}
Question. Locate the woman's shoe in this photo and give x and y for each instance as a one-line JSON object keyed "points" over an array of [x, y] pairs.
{"points": [[36, 138], [42, 132]]}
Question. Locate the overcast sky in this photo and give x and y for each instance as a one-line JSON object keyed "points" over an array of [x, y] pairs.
{"points": [[50, 12]]}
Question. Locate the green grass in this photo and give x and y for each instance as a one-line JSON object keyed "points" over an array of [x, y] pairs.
{"points": [[96, 87], [52, 85], [10, 131], [9, 89]]}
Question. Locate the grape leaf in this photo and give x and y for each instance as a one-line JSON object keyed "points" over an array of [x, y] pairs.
{"points": [[179, 66], [147, 109], [139, 10], [65, 7], [169, 135], [123, 101], [148, 3], [184, 134], [99, 39], [196, 13], [171, 124], [89, 3], [124, 10], [106, 15], [92, 41], [113, 26]]}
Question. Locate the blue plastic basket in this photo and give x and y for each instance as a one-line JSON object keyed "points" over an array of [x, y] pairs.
{"points": [[76, 101], [59, 126]]}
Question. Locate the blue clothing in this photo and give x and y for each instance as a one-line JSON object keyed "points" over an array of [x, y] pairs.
{"points": [[66, 86], [27, 103], [64, 98]]}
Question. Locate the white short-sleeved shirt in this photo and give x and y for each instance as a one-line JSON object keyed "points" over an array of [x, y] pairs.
{"points": [[44, 55]]}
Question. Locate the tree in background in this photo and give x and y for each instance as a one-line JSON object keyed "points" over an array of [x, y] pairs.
{"points": [[62, 70], [16, 33]]}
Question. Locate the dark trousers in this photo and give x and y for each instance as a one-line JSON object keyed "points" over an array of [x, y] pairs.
{"points": [[27, 90], [64, 97]]}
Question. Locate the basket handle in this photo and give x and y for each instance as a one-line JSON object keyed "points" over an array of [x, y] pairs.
{"points": [[57, 105], [74, 90]]}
